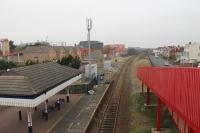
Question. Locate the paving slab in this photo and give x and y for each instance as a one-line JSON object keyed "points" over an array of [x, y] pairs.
{"points": [[11, 124]]}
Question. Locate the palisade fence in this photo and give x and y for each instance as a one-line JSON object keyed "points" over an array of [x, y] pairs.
{"points": [[178, 88]]}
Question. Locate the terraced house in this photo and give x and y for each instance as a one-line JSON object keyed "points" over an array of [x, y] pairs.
{"points": [[48, 53]]}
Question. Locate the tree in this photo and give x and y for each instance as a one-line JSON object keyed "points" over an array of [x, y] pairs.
{"points": [[76, 62], [12, 45], [70, 61], [30, 62], [4, 65], [67, 60], [11, 65], [41, 44], [132, 51]]}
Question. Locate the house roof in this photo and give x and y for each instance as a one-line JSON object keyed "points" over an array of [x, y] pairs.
{"points": [[37, 49], [32, 81], [58, 48], [45, 49]]}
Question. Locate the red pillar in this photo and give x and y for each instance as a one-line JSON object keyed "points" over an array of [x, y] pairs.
{"points": [[190, 130], [142, 87], [148, 97], [158, 116]]}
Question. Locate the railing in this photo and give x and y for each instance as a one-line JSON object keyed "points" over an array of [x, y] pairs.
{"points": [[178, 88]]}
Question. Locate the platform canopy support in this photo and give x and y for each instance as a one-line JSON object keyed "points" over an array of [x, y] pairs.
{"points": [[30, 130], [20, 115], [67, 97], [46, 110]]}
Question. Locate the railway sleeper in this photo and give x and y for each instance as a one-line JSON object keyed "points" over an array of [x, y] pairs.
{"points": [[114, 110], [110, 125], [112, 107], [111, 112], [109, 121], [106, 129], [110, 116]]}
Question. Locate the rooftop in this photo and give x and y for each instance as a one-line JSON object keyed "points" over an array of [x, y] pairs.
{"points": [[32, 81]]}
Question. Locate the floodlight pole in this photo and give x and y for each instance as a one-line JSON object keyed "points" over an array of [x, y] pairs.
{"points": [[89, 27]]}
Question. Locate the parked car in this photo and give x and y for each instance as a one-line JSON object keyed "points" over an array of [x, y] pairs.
{"points": [[166, 63]]}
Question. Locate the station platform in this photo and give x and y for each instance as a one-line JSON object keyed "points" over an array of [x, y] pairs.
{"points": [[78, 118]]}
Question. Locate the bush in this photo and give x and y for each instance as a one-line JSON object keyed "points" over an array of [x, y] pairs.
{"points": [[76, 62], [30, 62], [4, 65], [70, 61]]}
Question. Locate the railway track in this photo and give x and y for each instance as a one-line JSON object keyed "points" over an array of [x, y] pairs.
{"points": [[106, 116]]}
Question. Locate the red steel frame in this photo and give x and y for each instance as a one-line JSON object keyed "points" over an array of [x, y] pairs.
{"points": [[148, 97], [142, 87], [158, 115], [178, 88]]}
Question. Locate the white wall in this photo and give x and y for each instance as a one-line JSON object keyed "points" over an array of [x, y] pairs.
{"points": [[107, 65], [194, 51], [93, 70], [191, 53]]}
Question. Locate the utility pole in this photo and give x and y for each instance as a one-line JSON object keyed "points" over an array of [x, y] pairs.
{"points": [[113, 49], [89, 27], [46, 38]]}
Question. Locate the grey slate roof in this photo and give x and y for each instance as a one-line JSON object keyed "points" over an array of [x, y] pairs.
{"points": [[156, 61], [31, 81], [37, 49]]}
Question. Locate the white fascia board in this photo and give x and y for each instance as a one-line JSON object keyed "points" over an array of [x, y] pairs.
{"points": [[19, 102]]}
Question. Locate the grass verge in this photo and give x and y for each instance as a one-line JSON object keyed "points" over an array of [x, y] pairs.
{"points": [[142, 120]]}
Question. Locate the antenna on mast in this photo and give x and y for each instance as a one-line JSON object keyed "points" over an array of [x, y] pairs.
{"points": [[46, 38]]}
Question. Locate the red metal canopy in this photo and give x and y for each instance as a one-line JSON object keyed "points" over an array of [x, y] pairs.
{"points": [[178, 88]]}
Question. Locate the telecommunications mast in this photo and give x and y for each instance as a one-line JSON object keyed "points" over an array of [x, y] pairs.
{"points": [[89, 27]]}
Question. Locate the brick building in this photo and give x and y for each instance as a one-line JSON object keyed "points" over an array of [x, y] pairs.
{"points": [[113, 49], [49, 53], [39, 53], [84, 52]]}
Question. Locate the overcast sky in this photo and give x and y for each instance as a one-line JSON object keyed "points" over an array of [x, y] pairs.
{"points": [[145, 23]]}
